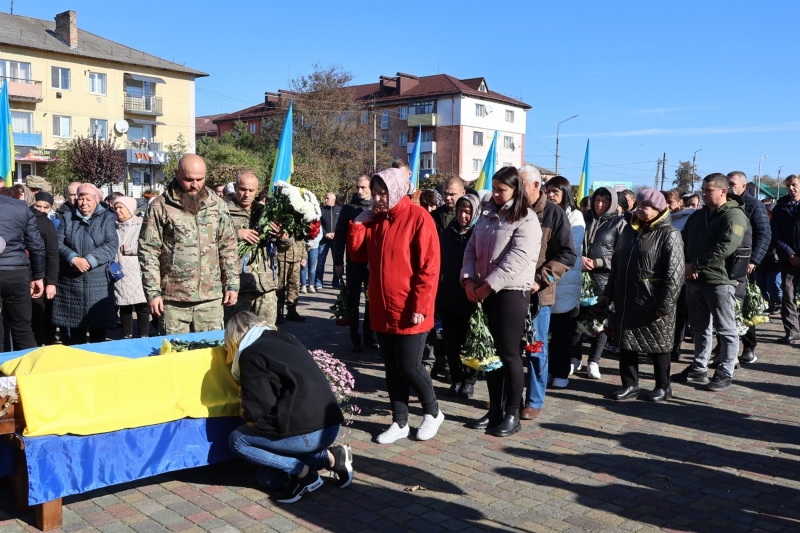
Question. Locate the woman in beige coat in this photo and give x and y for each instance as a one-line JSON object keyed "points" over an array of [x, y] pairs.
{"points": [[128, 291]]}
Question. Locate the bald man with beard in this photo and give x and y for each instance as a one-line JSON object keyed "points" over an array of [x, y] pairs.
{"points": [[188, 253]]}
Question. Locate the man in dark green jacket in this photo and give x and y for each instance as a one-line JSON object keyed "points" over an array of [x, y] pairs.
{"points": [[711, 235]]}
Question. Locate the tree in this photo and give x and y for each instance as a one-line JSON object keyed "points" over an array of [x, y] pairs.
{"points": [[97, 161], [767, 180], [175, 151], [683, 177], [223, 153], [59, 173]]}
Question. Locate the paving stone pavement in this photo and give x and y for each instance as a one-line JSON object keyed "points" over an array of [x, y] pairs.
{"points": [[705, 461]]}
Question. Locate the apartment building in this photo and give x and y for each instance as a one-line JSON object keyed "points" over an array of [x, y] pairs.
{"points": [[458, 120], [65, 82]]}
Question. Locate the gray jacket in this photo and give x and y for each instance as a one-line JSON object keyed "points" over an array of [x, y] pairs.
{"points": [[503, 254], [128, 290]]}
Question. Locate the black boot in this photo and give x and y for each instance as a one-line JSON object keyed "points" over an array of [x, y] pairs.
{"points": [[659, 395], [508, 426], [489, 420], [293, 315]]}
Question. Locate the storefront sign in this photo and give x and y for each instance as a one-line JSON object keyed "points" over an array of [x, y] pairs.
{"points": [[28, 153]]}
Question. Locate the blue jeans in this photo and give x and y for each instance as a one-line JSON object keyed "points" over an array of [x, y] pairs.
{"points": [[310, 270], [770, 284], [537, 362], [325, 246], [279, 458]]}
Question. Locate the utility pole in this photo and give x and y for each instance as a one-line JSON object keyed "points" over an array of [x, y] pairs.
{"points": [[778, 194], [663, 170], [655, 181], [694, 168], [557, 126], [758, 179], [374, 137]]}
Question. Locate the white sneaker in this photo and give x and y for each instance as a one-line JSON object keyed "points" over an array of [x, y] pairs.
{"points": [[560, 383], [594, 371], [395, 432], [576, 365], [311, 289], [430, 425], [303, 290]]}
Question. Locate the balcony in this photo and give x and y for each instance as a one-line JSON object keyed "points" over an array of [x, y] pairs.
{"points": [[22, 90], [425, 147], [428, 119], [28, 139], [152, 146], [143, 105]]}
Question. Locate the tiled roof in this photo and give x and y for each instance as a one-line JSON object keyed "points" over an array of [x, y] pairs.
{"points": [[256, 112], [40, 34], [205, 125]]}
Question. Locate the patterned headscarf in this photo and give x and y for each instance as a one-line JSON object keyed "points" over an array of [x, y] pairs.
{"points": [[396, 184]]}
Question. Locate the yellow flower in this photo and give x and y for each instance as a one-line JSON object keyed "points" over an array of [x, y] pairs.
{"points": [[166, 347]]}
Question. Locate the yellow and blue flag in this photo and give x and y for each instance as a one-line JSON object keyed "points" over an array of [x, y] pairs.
{"points": [[284, 160], [583, 186], [488, 169], [414, 163], [6, 138]]}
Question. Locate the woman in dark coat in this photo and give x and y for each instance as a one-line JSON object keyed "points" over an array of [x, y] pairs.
{"points": [[647, 271], [87, 242], [42, 307], [603, 227], [452, 304]]}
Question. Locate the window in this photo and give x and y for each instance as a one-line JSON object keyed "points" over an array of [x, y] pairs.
{"points": [[509, 116], [477, 165], [427, 136], [253, 128], [482, 87], [402, 139], [19, 72], [421, 108], [60, 78], [364, 117], [404, 113], [426, 160], [98, 128], [385, 120], [62, 126], [508, 142], [385, 140], [97, 83], [138, 89], [137, 132], [21, 122], [477, 138], [480, 110]]}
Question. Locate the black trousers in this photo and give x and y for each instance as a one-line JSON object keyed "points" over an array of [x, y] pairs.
{"points": [[15, 300], [83, 335], [506, 311], [454, 333], [561, 349], [142, 319], [357, 277], [41, 314], [790, 276], [402, 356], [629, 368], [681, 320]]}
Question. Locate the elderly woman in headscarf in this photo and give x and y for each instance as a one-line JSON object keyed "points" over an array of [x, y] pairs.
{"points": [[400, 243], [128, 291], [87, 243]]}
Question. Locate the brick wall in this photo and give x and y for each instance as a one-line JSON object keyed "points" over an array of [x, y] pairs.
{"points": [[448, 146]]}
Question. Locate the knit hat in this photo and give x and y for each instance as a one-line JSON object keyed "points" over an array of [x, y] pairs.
{"points": [[653, 198], [128, 202], [42, 196]]}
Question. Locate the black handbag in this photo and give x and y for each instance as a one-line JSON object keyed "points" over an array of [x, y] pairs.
{"points": [[114, 271]]}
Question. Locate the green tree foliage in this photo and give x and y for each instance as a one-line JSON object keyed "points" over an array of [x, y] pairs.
{"points": [[59, 173], [683, 177], [223, 153], [175, 150]]}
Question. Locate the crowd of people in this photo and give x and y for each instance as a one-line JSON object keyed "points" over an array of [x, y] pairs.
{"points": [[657, 264]]}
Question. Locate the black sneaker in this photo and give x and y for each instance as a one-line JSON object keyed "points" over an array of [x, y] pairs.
{"points": [[467, 390], [690, 375], [342, 465], [295, 487], [455, 389], [748, 356], [720, 382]]}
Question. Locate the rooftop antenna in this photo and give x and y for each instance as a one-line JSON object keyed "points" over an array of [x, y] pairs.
{"points": [[12, 7]]}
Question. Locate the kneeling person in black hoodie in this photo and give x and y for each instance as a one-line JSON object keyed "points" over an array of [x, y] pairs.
{"points": [[292, 416]]}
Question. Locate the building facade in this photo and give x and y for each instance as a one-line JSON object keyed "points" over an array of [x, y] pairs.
{"points": [[65, 82], [454, 120]]}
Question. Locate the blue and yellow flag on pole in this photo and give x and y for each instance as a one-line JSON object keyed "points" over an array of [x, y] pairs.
{"points": [[488, 169], [6, 138], [583, 185], [284, 160], [414, 163]]}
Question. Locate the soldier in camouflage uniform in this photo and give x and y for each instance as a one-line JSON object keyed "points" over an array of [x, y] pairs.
{"points": [[187, 253], [258, 278], [291, 256]]}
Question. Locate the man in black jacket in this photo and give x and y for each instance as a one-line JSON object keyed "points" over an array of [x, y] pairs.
{"points": [[357, 273], [20, 277], [330, 215], [452, 191], [786, 239], [762, 235]]}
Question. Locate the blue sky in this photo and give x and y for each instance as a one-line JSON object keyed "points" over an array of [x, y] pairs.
{"points": [[645, 77]]}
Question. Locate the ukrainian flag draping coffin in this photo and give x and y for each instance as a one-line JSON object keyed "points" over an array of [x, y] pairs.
{"points": [[70, 391]]}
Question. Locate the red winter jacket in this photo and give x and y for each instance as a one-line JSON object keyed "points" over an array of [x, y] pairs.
{"points": [[402, 248]]}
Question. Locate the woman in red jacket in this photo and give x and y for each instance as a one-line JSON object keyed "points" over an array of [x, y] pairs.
{"points": [[400, 243]]}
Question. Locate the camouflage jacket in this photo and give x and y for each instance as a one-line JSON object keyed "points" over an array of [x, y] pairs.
{"points": [[291, 251], [186, 258], [261, 277]]}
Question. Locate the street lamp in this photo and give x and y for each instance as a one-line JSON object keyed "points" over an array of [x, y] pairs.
{"points": [[758, 180], [557, 126], [694, 168], [778, 193]]}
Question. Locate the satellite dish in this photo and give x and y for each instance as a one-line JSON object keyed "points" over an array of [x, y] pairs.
{"points": [[121, 126], [488, 109]]}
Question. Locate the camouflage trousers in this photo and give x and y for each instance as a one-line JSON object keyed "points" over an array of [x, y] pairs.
{"points": [[187, 317], [289, 273], [263, 304]]}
